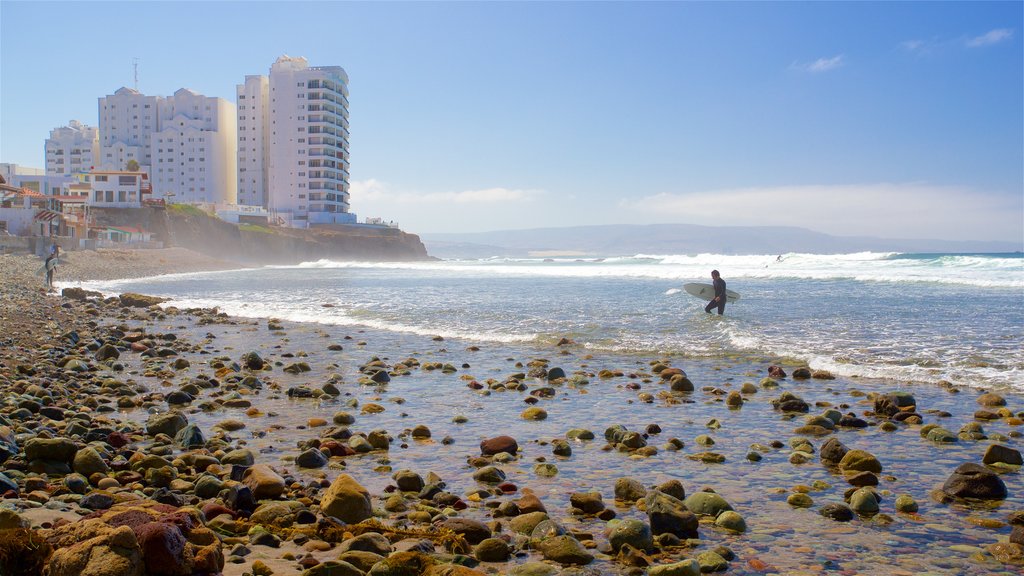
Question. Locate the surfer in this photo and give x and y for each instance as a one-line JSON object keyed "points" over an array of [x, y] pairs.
{"points": [[720, 298], [50, 265]]}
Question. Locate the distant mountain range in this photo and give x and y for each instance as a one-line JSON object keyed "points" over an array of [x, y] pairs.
{"points": [[627, 240]]}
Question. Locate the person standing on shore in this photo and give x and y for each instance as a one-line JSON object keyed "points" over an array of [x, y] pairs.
{"points": [[50, 266], [720, 298]]}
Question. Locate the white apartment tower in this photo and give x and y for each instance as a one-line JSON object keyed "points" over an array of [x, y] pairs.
{"points": [[185, 143], [72, 149], [127, 121], [193, 152], [305, 158], [253, 142]]}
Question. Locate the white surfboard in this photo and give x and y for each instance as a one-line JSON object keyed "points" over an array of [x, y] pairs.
{"points": [[707, 292]]}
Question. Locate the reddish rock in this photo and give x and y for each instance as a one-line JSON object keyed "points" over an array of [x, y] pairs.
{"points": [[336, 448], [163, 548], [776, 372], [499, 444], [530, 503], [118, 439], [212, 510]]}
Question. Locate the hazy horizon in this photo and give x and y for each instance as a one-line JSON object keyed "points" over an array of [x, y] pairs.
{"points": [[897, 120]]}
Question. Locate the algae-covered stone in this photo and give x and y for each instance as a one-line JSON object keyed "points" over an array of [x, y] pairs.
{"points": [[492, 550], [688, 567], [167, 423], [88, 461], [707, 504], [906, 503], [534, 413], [669, 515], [864, 501], [731, 520], [629, 490], [630, 532], [346, 500], [54, 449], [333, 568], [800, 500], [860, 461], [712, 561], [565, 550]]}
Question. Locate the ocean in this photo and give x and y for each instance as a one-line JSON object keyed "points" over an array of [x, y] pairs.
{"points": [[903, 317]]}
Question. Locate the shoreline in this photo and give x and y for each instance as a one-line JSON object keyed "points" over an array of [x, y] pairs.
{"points": [[294, 411]]}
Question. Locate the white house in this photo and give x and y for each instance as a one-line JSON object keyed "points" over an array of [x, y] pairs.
{"points": [[117, 189], [306, 158], [72, 149]]}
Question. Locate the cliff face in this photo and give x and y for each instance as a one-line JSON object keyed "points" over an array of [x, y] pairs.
{"points": [[192, 229]]}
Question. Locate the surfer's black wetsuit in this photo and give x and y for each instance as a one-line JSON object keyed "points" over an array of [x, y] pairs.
{"points": [[720, 294]]}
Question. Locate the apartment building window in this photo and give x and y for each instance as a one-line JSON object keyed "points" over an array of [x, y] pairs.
{"points": [[109, 195], [98, 196], [301, 140]]}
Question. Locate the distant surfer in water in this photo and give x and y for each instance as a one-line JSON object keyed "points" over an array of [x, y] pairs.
{"points": [[719, 299]]}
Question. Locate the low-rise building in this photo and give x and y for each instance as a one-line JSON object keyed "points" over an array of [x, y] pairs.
{"points": [[117, 189]]}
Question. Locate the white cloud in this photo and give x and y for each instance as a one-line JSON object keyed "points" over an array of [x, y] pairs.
{"points": [[884, 210], [991, 37], [376, 191], [820, 65]]}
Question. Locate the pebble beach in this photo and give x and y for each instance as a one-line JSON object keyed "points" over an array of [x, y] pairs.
{"points": [[141, 438]]}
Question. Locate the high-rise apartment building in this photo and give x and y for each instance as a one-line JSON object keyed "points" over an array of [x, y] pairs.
{"points": [[128, 119], [72, 149], [253, 113], [184, 142], [193, 152], [305, 156]]}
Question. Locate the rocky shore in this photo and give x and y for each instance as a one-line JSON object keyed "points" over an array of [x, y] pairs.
{"points": [[140, 439]]}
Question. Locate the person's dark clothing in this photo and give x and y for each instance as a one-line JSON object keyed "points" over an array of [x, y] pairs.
{"points": [[720, 295]]}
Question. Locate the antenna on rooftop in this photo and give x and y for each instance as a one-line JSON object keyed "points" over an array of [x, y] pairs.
{"points": [[135, 72]]}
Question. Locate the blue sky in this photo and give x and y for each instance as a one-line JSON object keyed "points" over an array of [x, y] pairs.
{"points": [[885, 119]]}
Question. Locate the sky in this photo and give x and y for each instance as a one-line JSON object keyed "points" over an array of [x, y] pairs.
{"points": [[889, 119]]}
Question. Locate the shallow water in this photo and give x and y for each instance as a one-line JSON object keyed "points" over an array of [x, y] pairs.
{"points": [[793, 541]]}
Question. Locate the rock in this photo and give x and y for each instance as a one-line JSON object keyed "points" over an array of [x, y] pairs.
{"points": [[565, 550], [801, 373], [132, 300], [499, 444], [860, 461], [473, 531], [673, 488], [53, 449], [361, 559], [489, 475], [905, 503], [974, 481], [534, 413], [312, 458], [114, 552], [88, 461], [96, 501], [832, 452], [669, 515], [163, 549], [277, 513], [894, 402], [107, 352], [998, 454], [333, 568], [861, 479], [263, 482], [80, 294], [706, 504], [533, 568], [731, 520], [403, 564], [167, 423], [492, 550], [688, 567], [346, 500], [240, 457], [837, 512], [252, 361], [408, 481], [8, 443], [800, 500], [9, 520], [369, 542], [864, 501], [630, 532], [190, 437], [712, 561], [588, 502], [776, 372], [991, 400], [629, 490]]}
